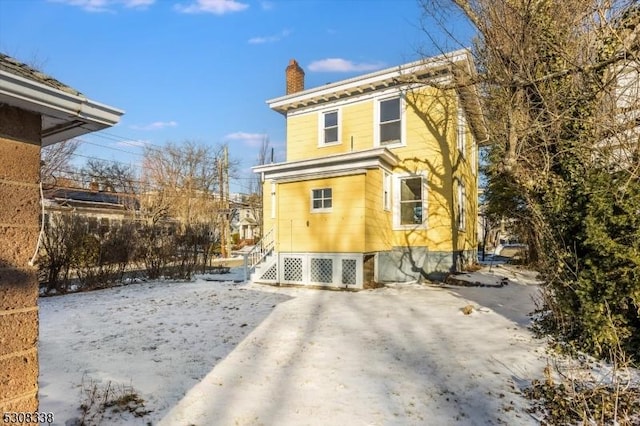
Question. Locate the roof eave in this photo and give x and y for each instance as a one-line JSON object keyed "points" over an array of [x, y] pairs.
{"points": [[64, 115], [368, 82]]}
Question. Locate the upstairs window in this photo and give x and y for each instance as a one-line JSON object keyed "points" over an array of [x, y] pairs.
{"points": [[321, 200], [330, 127], [390, 121]]}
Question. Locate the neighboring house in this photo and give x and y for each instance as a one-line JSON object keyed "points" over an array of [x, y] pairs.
{"points": [[102, 208], [35, 111], [380, 178], [244, 223]]}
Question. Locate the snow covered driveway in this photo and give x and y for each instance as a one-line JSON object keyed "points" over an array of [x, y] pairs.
{"points": [[208, 353]]}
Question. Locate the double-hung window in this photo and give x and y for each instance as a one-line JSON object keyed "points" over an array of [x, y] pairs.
{"points": [[390, 121], [330, 127], [321, 200], [462, 206], [409, 195]]}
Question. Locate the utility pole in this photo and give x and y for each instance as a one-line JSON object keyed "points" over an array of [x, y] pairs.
{"points": [[223, 175], [227, 207]]}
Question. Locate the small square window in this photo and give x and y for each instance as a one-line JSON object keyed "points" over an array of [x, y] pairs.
{"points": [[321, 199]]}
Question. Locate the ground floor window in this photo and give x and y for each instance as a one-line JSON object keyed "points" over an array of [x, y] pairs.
{"points": [[410, 201], [321, 199], [462, 206]]}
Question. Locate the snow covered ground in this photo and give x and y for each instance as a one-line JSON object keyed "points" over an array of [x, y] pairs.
{"points": [[216, 353]]}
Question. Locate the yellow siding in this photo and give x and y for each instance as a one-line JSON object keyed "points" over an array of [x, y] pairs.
{"points": [[339, 231], [378, 234], [302, 137], [358, 222], [356, 124]]}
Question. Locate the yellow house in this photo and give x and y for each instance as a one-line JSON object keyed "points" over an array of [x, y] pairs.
{"points": [[380, 178]]}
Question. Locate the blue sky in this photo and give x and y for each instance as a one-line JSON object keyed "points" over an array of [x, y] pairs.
{"points": [[201, 70]]}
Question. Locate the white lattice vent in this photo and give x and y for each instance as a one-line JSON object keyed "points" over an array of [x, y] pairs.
{"points": [[292, 269], [270, 274], [349, 271], [321, 270]]}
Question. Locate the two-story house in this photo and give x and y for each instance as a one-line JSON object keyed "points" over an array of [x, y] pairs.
{"points": [[380, 178]]}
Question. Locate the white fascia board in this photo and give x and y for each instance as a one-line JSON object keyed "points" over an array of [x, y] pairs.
{"points": [[371, 158], [67, 107], [345, 86]]}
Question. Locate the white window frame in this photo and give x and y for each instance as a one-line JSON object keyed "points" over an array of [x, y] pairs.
{"points": [[321, 127], [376, 121], [387, 200], [461, 131], [474, 156], [273, 200], [397, 193], [321, 209], [461, 208]]}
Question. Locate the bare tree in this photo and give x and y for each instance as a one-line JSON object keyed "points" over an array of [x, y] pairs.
{"points": [[560, 86], [118, 178], [256, 195], [182, 182], [56, 159]]}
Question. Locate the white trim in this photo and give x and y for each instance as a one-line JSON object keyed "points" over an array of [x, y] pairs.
{"points": [[320, 175], [322, 197], [397, 178], [70, 114], [353, 100], [274, 198], [376, 121], [321, 127], [387, 193], [368, 159], [368, 82], [461, 130], [461, 208]]}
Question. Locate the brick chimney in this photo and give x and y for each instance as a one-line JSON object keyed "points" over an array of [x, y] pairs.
{"points": [[295, 77]]}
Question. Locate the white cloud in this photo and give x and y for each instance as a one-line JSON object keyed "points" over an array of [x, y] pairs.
{"points": [[105, 5], [266, 5], [342, 65], [250, 139], [217, 7], [156, 125], [133, 143], [270, 39]]}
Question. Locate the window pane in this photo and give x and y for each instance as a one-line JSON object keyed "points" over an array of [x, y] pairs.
{"points": [[317, 204], [390, 110], [327, 203], [411, 189], [331, 119], [327, 193], [317, 193], [390, 132], [331, 135], [411, 213]]}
